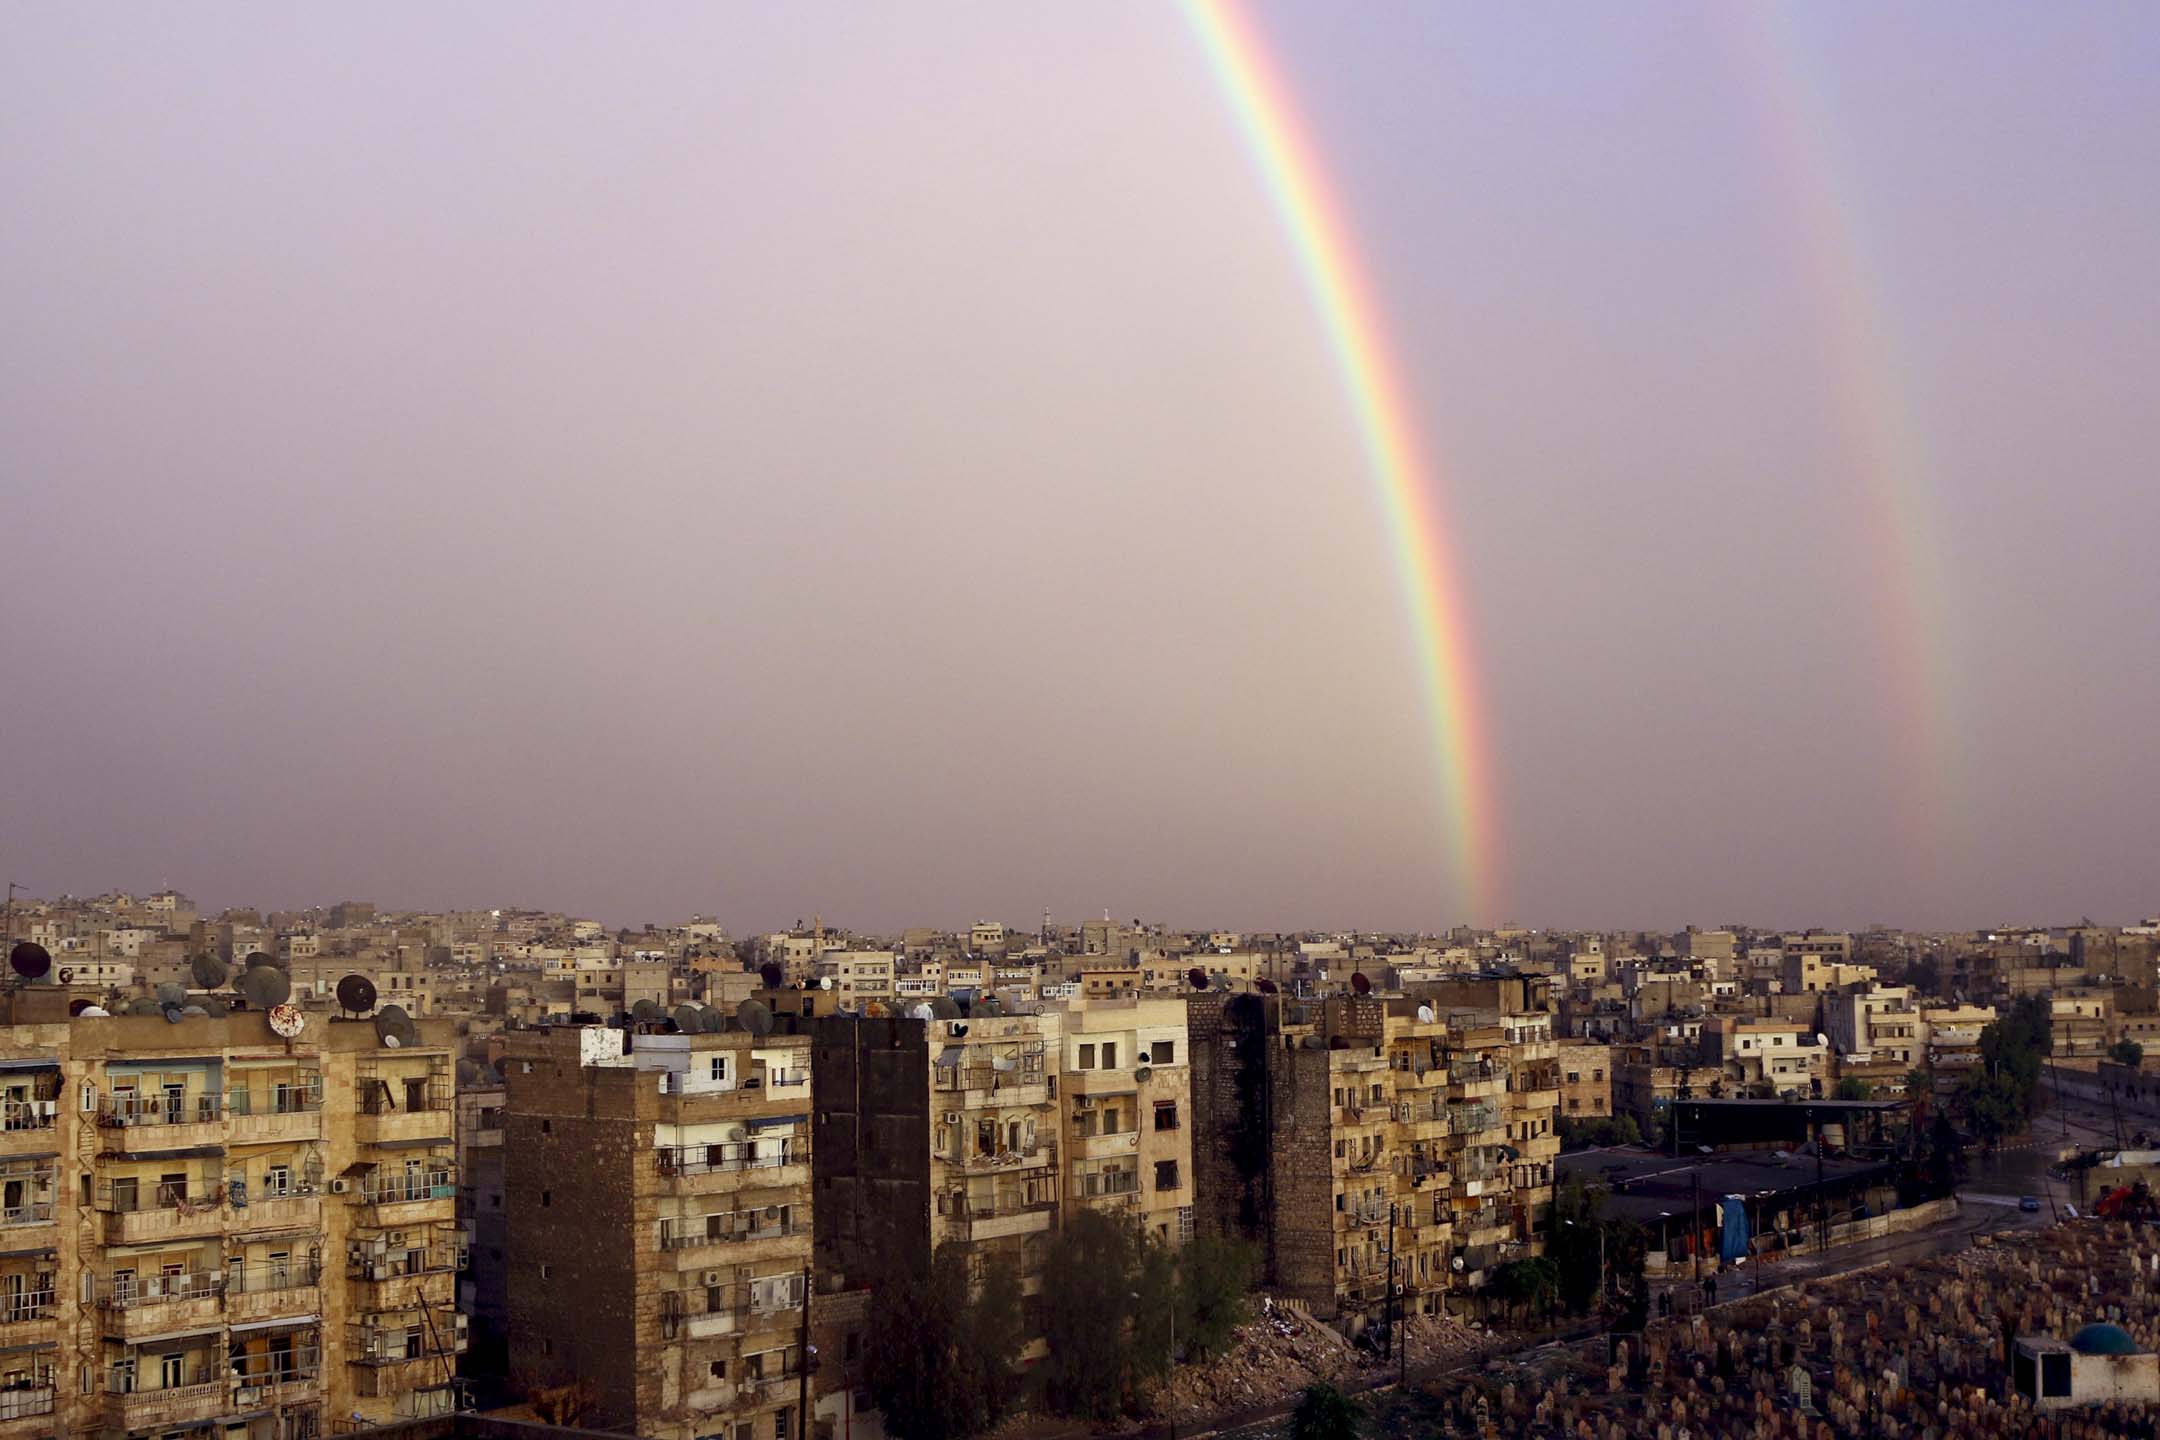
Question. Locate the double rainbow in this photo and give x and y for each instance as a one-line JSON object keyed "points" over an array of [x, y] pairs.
{"points": [[1398, 464]]}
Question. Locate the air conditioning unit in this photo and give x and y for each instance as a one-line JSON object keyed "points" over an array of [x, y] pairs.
{"points": [[711, 1277], [952, 1117], [340, 1185]]}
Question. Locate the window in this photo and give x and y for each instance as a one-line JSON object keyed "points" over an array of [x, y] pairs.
{"points": [[547, 1271], [1109, 1057], [1087, 1057], [1164, 1053], [1166, 1115], [1166, 1175], [547, 1127], [547, 1197], [717, 1370], [783, 1423]]}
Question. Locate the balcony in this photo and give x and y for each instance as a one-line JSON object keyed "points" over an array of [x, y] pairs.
{"points": [[1022, 1219], [296, 1120], [264, 1382], [25, 1402], [269, 1291], [175, 1220], [381, 1122], [768, 1163], [152, 1124], [976, 1085], [161, 1304], [1102, 1147], [699, 1250], [26, 1318], [26, 1126], [436, 1340], [397, 1203], [170, 1408], [279, 1212], [1100, 1082]]}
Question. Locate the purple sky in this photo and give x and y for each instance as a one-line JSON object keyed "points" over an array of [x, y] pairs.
{"points": [[882, 461]]}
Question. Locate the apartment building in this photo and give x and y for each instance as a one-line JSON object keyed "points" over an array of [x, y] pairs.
{"points": [[657, 1188], [483, 1226], [1780, 1056], [1359, 1131], [217, 1231], [1125, 1100], [1586, 1080]]}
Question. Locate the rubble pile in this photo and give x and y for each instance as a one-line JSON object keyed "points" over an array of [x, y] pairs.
{"points": [[1270, 1361]]}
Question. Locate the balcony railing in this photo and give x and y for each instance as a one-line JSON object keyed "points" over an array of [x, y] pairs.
{"points": [[698, 1239], [398, 1190], [25, 1306], [127, 1292], [36, 1213], [276, 1100], [21, 1402], [709, 1159], [19, 1115], [128, 1110], [268, 1278]]}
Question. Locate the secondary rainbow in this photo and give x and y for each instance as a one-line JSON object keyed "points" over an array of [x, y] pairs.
{"points": [[1880, 423], [1400, 468]]}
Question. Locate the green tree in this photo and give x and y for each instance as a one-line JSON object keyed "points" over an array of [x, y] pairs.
{"points": [[1599, 1130], [2127, 1052], [1092, 1267], [992, 1332], [1526, 1287], [1325, 1413], [1574, 1245], [1215, 1276], [1994, 1103], [916, 1361], [1925, 975], [1852, 1088]]}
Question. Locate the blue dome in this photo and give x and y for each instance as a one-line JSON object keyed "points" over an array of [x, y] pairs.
{"points": [[2102, 1339]]}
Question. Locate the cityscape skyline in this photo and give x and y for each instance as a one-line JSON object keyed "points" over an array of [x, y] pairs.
{"points": [[734, 461]]}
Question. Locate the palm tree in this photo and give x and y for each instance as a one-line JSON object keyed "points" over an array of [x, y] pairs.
{"points": [[1325, 1413]]}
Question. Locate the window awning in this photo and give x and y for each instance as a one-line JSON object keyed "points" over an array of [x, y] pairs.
{"points": [[775, 1122], [283, 1322], [30, 1062], [192, 1332]]}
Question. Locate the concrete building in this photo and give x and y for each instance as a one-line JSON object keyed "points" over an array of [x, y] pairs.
{"points": [[1586, 1080], [2100, 1364], [657, 1189], [215, 1231], [1125, 1095], [484, 1227]]}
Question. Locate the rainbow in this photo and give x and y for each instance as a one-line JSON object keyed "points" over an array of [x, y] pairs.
{"points": [[1284, 155], [1878, 420]]}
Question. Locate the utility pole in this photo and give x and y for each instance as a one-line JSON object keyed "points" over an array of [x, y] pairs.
{"points": [[802, 1366]]}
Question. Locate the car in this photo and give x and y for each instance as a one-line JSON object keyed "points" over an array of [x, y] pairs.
{"points": [[2030, 1204]]}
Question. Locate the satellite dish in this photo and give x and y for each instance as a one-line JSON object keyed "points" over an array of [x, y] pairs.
{"points": [[754, 1017], [922, 1012], [265, 985], [944, 1007], [194, 1012], [469, 1072], [67, 976], [30, 960], [1143, 1075], [1822, 1039], [1265, 987], [712, 1020], [89, 1011], [286, 1021], [1197, 978], [208, 972], [171, 1013], [771, 974], [258, 957], [394, 1028], [78, 1006], [170, 993], [990, 1005], [212, 1006], [145, 1007], [1425, 1014], [687, 1019], [356, 993], [644, 1010], [959, 1027], [1359, 983], [1456, 1264], [824, 982]]}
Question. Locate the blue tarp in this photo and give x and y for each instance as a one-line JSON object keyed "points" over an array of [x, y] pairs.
{"points": [[1733, 1241]]}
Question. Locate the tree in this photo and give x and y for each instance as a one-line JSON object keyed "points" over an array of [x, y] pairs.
{"points": [[1853, 1088], [992, 1332], [1526, 1287], [2127, 1052], [1093, 1269], [913, 1359], [1599, 1130], [1925, 975], [1325, 1413], [1215, 1275], [1994, 1105]]}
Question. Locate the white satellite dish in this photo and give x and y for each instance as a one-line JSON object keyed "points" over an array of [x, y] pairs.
{"points": [[824, 982], [1424, 1014], [287, 1021], [1822, 1039]]}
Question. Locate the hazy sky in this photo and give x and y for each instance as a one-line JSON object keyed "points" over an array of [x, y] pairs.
{"points": [[882, 460]]}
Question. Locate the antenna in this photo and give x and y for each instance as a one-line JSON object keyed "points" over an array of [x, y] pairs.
{"points": [[30, 960], [263, 986], [754, 1017], [356, 994], [208, 972], [394, 1028]]}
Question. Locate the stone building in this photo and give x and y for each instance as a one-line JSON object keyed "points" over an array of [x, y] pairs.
{"points": [[658, 1194], [216, 1232], [1125, 1099], [1376, 1147]]}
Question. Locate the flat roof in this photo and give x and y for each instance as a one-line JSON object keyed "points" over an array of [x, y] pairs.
{"points": [[1642, 1184]]}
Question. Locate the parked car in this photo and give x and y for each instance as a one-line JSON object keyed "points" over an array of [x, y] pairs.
{"points": [[2030, 1204]]}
